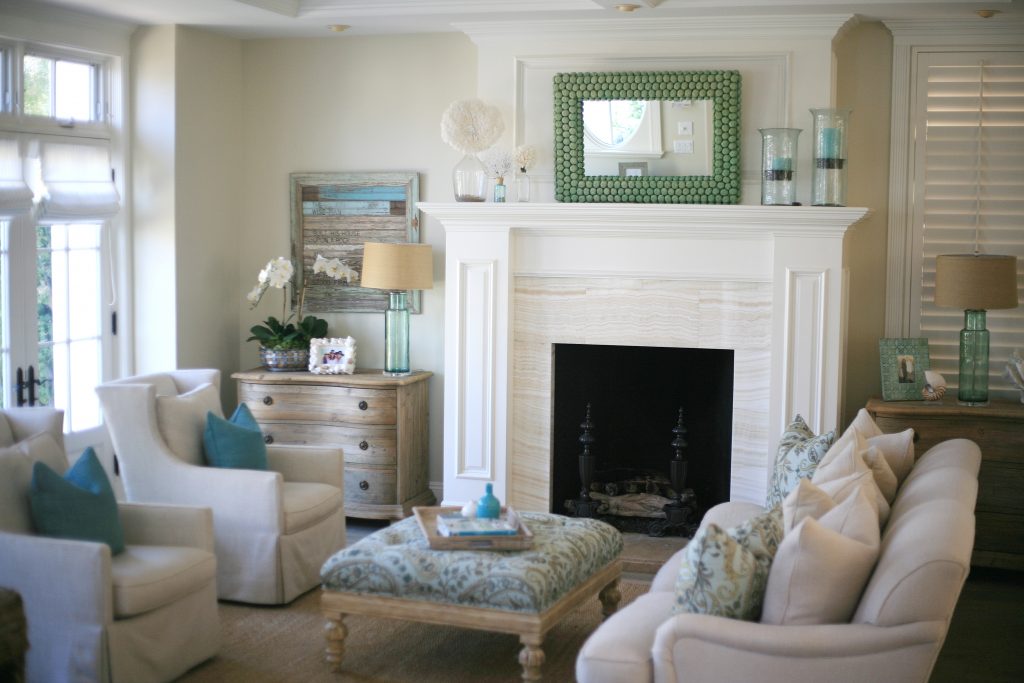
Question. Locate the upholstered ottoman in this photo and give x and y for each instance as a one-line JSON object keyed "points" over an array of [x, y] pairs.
{"points": [[394, 573]]}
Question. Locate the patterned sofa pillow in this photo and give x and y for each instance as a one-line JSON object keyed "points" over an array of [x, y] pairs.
{"points": [[725, 572], [797, 457]]}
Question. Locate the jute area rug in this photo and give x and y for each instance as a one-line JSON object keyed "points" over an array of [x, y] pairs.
{"points": [[286, 644]]}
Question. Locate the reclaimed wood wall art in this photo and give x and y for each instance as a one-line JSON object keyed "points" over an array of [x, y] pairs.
{"points": [[334, 214]]}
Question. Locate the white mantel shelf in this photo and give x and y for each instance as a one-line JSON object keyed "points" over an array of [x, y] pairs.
{"points": [[713, 219], [766, 282]]}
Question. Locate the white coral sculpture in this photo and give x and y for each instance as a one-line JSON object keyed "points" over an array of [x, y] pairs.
{"points": [[498, 163], [470, 126], [1015, 371], [525, 156]]}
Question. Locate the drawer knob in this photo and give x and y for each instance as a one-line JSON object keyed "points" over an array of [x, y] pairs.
{"points": [[363, 405], [364, 485], [363, 445], [268, 400], [269, 438]]}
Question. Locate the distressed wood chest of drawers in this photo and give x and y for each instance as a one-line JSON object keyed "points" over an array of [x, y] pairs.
{"points": [[998, 429], [380, 422]]}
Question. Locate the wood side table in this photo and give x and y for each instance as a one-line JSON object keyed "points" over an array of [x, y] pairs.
{"points": [[998, 429], [379, 421]]}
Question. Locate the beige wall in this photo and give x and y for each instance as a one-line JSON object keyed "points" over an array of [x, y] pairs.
{"points": [[153, 220], [344, 103], [864, 77], [208, 201], [186, 94]]}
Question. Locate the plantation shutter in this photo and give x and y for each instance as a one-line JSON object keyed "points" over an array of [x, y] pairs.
{"points": [[960, 187]]}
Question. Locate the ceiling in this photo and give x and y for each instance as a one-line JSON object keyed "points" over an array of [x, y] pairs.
{"points": [[305, 18]]}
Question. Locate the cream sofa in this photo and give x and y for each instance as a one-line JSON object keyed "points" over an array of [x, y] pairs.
{"points": [[895, 634]]}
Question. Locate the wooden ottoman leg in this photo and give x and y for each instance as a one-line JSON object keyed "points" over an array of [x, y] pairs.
{"points": [[335, 632], [610, 597], [531, 657]]}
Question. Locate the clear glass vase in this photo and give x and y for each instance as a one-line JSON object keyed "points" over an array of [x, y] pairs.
{"points": [[828, 186], [778, 166], [522, 187], [470, 180]]}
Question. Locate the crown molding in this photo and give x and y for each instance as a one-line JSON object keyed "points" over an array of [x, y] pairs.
{"points": [[997, 30], [820, 26]]}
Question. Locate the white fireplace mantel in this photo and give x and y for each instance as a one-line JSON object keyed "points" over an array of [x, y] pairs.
{"points": [[767, 282]]}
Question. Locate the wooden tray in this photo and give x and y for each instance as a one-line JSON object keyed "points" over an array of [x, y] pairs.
{"points": [[427, 518]]}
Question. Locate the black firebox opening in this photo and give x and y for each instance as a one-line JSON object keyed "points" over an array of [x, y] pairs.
{"points": [[635, 393]]}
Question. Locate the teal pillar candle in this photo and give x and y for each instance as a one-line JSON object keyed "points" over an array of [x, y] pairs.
{"points": [[829, 147]]}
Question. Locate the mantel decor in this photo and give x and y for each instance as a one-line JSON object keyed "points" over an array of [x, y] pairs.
{"points": [[721, 88]]}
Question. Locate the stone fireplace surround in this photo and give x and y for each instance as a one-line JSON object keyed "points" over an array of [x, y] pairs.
{"points": [[766, 282]]}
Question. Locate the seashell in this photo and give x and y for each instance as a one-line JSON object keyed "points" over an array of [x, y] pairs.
{"points": [[931, 393], [934, 378], [469, 510]]}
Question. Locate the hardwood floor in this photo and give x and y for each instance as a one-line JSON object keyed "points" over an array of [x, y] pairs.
{"points": [[984, 640]]}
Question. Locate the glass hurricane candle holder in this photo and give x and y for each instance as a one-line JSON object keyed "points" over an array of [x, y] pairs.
{"points": [[828, 186], [778, 166]]}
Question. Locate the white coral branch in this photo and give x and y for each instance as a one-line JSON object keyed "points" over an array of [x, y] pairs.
{"points": [[471, 126], [525, 156], [498, 163]]}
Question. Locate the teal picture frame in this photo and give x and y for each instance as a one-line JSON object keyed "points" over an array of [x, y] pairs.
{"points": [[903, 363], [723, 88]]}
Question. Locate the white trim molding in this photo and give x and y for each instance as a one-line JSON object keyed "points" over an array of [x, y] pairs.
{"points": [[765, 282]]}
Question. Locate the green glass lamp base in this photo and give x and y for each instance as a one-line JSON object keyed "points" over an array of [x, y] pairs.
{"points": [[974, 339]]}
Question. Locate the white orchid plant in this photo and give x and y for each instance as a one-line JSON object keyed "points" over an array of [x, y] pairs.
{"points": [[282, 333]]}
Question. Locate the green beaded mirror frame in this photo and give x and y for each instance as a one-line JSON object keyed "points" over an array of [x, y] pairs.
{"points": [[721, 87]]}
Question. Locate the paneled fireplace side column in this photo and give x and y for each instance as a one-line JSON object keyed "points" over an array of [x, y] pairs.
{"points": [[477, 359]]}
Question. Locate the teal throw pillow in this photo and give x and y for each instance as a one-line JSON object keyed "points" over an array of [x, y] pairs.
{"points": [[235, 443], [724, 572], [797, 458], [80, 505]]}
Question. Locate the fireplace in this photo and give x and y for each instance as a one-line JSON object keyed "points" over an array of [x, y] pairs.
{"points": [[634, 395], [764, 283]]}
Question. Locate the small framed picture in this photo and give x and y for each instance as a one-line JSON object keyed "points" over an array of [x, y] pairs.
{"points": [[333, 356], [632, 169], [903, 364]]}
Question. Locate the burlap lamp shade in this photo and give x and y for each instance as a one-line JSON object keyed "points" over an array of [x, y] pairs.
{"points": [[977, 282], [397, 266]]}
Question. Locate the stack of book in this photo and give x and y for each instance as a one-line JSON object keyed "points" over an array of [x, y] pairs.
{"points": [[457, 525]]}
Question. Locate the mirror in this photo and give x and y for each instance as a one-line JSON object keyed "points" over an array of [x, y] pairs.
{"points": [[646, 137], [653, 137]]}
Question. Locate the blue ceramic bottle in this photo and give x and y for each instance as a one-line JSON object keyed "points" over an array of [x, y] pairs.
{"points": [[488, 507]]}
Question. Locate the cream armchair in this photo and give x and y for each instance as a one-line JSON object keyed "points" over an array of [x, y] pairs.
{"points": [[273, 529], [146, 614]]}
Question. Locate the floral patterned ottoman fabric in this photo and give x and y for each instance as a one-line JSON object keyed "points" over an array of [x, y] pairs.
{"points": [[398, 562]]}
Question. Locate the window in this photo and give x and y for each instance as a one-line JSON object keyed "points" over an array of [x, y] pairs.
{"points": [[59, 88], [58, 204], [969, 158]]}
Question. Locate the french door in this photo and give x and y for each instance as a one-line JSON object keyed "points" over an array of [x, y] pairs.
{"points": [[56, 334]]}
